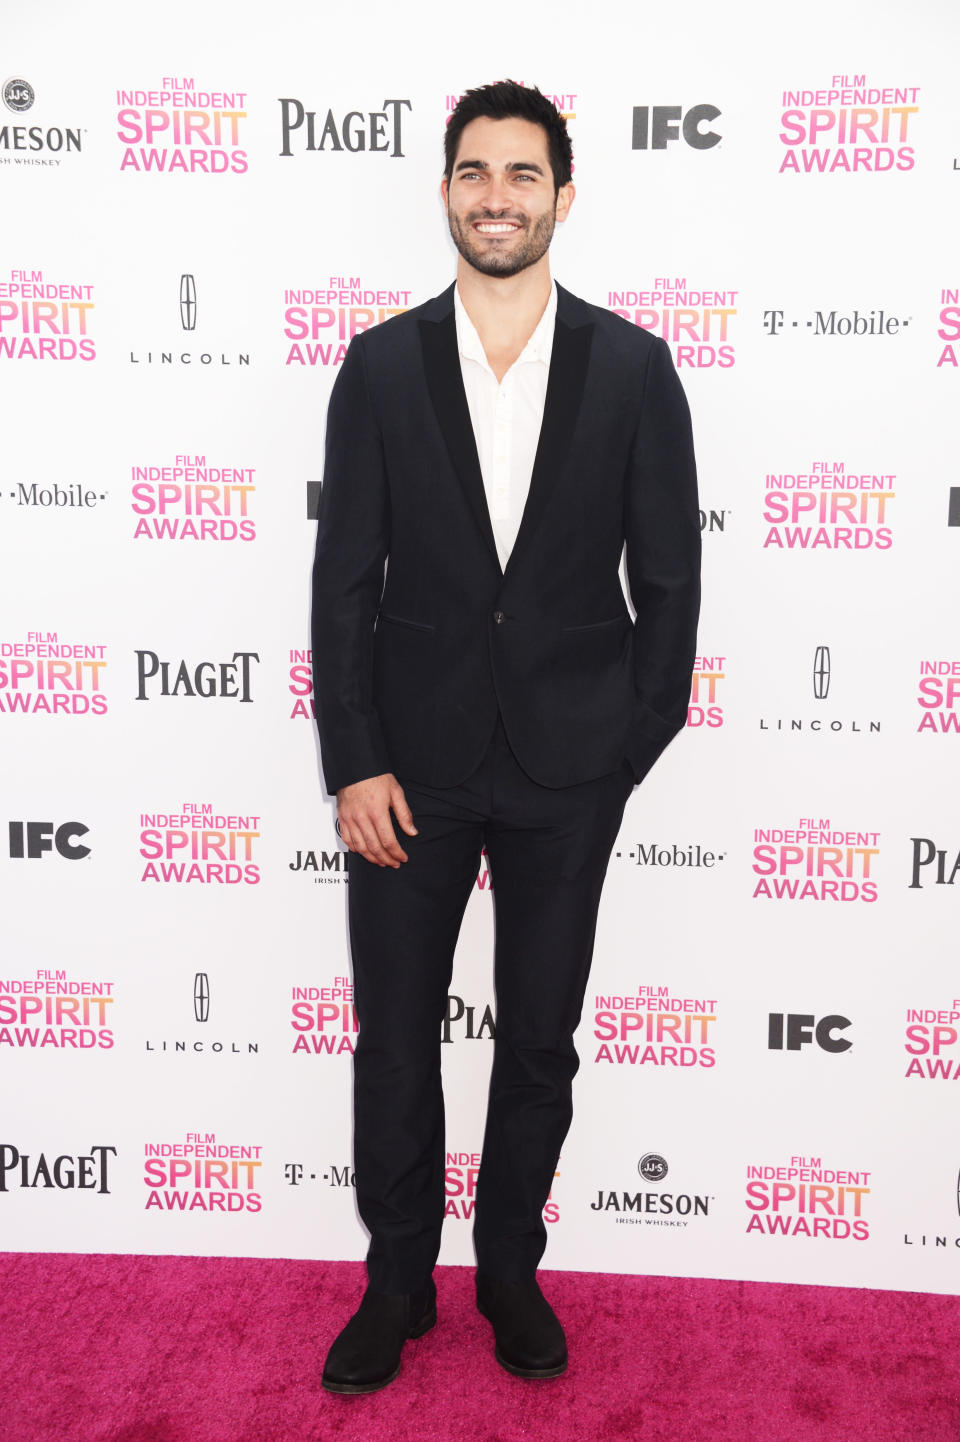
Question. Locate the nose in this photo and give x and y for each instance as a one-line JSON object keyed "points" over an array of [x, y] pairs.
{"points": [[497, 198]]}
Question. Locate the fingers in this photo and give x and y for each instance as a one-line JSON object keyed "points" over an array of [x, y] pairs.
{"points": [[365, 822], [374, 839], [402, 811]]}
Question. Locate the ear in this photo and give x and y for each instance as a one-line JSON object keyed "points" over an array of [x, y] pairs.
{"points": [[565, 197], [444, 194]]}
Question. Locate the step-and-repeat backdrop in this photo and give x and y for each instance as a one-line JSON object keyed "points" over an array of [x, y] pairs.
{"points": [[200, 209]]}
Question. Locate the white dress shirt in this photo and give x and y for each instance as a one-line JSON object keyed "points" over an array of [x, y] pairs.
{"points": [[507, 417]]}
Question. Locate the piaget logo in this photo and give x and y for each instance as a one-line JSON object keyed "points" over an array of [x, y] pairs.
{"points": [[201, 680], [932, 865], [369, 131], [65, 1172]]}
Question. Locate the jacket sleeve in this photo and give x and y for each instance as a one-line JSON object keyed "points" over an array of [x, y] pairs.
{"points": [[352, 545], [662, 526]]}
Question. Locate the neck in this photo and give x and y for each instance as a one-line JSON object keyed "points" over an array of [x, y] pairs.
{"points": [[505, 309]]}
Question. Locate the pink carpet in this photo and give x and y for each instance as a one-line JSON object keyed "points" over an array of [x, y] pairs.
{"points": [[183, 1349]]}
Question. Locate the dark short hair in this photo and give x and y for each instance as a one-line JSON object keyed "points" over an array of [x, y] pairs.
{"points": [[506, 100]]}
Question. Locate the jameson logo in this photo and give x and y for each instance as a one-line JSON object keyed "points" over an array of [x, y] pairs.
{"points": [[42, 143], [653, 1209], [328, 867]]}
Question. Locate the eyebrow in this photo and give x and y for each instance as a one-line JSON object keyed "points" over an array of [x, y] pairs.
{"points": [[511, 165]]}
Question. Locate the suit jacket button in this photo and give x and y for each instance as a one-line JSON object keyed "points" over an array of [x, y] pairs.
{"points": [[499, 617]]}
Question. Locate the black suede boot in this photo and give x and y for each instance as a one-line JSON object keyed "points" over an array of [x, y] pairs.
{"points": [[366, 1354], [529, 1338]]}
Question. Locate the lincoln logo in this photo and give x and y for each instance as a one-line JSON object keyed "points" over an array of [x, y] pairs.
{"points": [[201, 996], [188, 303], [821, 673]]}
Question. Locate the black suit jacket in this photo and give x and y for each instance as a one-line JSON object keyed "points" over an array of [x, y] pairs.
{"points": [[419, 636]]}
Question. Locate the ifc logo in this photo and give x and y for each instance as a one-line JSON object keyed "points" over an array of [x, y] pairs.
{"points": [[18, 95], [652, 1167]]}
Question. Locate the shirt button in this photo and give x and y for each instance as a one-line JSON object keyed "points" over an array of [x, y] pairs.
{"points": [[499, 617]]}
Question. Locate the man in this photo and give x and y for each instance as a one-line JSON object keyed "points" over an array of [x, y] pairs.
{"points": [[479, 682]]}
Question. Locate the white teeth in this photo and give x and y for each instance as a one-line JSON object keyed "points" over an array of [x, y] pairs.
{"points": [[491, 229]]}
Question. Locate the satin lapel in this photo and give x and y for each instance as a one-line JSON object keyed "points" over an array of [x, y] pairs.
{"points": [[565, 386], [441, 360]]}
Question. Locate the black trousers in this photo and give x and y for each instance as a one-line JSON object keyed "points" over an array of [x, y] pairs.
{"points": [[548, 852]]}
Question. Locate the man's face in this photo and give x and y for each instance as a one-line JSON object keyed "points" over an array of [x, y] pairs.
{"points": [[500, 201]]}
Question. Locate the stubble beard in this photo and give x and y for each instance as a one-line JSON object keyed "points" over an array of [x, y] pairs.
{"points": [[531, 248]]}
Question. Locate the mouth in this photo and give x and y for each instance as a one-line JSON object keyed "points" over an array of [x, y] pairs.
{"points": [[495, 227]]}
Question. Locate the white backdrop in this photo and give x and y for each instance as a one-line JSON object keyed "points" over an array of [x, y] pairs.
{"points": [[825, 400]]}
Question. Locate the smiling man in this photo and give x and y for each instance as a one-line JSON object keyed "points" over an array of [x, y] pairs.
{"points": [[479, 682]]}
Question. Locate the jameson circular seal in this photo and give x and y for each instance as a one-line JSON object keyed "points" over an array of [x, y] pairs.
{"points": [[18, 95], [652, 1167]]}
